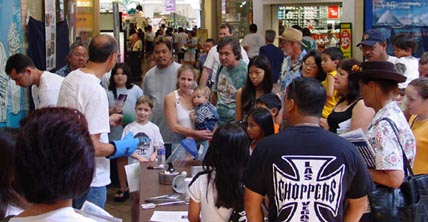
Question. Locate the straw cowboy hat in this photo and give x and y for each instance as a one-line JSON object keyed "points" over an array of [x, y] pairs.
{"points": [[292, 34], [377, 70]]}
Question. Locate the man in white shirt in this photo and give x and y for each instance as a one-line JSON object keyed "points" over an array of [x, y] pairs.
{"points": [[212, 63], [81, 89], [253, 41], [44, 85]]}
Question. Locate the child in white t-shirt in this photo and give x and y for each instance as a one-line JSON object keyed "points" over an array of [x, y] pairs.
{"points": [[404, 46], [150, 134]]}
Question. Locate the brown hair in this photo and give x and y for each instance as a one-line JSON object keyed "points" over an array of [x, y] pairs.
{"points": [[146, 100]]}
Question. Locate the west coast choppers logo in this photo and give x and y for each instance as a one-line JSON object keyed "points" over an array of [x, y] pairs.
{"points": [[308, 189]]}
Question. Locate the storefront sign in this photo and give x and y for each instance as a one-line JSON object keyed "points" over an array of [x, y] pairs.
{"points": [[346, 39], [333, 12], [170, 5]]}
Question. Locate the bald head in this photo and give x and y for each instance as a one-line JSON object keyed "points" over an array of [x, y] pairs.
{"points": [[101, 47]]}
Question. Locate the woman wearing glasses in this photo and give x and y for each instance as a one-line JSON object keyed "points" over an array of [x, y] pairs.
{"points": [[312, 66]]}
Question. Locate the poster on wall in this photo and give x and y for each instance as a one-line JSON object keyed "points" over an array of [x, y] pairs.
{"points": [[346, 39], [50, 32], [12, 100], [393, 17]]}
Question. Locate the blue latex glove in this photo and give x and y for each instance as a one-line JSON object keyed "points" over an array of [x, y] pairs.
{"points": [[125, 147]]}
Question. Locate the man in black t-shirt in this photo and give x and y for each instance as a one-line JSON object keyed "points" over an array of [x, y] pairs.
{"points": [[306, 172]]}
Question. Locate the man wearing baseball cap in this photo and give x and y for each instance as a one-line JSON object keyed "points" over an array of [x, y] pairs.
{"points": [[373, 44], [291, 43]]}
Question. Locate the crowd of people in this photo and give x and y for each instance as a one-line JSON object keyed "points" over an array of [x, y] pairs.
{"points": [[263, 120]]}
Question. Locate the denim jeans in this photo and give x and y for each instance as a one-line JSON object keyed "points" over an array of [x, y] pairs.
{"points": [[96, 195]]}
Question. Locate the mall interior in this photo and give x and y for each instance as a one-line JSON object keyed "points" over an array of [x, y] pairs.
{"points": [[62, 22]]}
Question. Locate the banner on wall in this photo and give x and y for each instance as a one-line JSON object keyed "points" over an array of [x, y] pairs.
{"points": [[170, 5], [12, 99], [50, 32], [393, 17], [346, 39]]}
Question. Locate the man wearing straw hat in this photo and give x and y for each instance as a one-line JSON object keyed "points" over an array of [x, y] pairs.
{"points": [[291, 40]]}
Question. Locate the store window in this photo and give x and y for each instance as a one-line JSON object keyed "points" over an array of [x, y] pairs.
{"points": [[322, 20], [238, 13]]}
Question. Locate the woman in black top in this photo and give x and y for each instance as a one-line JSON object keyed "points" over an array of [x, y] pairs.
{"points": [[350, 112]]}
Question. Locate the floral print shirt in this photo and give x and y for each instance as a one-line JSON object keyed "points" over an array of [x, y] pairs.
{"points": [[388, 154]]}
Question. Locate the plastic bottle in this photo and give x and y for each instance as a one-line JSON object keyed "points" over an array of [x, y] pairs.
{"points": [[161, 156]]}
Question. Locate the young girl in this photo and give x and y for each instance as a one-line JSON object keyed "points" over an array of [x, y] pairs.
{"points": [[417, 105], [259, 125], [216, 191], [259, 82], [120, 83], [150, 134]]}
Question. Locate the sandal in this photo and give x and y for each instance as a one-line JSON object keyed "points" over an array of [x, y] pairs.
{"points": [[121, 196]]}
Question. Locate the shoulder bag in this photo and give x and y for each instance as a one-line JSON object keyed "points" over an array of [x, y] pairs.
{"points": [[409, 202]]}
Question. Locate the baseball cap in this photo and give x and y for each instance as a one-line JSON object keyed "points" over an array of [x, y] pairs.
{"points": [[371, 37]]}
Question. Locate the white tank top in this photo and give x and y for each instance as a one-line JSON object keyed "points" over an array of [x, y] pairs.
{"points": [[183, 117]]}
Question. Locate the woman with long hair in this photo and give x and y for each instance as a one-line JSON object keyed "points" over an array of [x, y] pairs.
{"points": [[350, 112], [217, 190], [258, 83]]}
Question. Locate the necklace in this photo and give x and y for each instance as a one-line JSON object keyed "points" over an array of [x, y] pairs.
{"points": [[308, 124]]}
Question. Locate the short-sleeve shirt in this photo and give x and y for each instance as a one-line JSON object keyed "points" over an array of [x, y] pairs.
{"points": [[82, 91], [229, 81], [46, 94], [65, 214], [254, 41], [290, 71], [420, 129], [213, 61], [205, 194], [307, 172], [388, 154], [151, 138], [157, 84]]}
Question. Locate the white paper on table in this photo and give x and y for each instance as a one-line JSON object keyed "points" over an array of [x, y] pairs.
{"points": [[169, 216], [133, 176]]}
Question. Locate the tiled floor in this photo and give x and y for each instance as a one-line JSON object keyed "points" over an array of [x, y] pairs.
{"points": [[120, 210]]}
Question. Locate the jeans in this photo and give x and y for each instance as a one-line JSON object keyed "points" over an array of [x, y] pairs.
{"points": [[96, 195]]}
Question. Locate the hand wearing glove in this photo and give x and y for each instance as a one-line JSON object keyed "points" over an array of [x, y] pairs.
{"points": [[125, 147]]}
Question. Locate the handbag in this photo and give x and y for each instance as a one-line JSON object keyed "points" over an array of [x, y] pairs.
{"points": [[238, 215], [409, 202]]}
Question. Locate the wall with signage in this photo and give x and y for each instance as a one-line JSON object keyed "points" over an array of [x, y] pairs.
{"points": [[393, 17]]}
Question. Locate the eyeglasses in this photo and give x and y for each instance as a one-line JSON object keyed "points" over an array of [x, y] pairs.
{"points": [[311, 66]]}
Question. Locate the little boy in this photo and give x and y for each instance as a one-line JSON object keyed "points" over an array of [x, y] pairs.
{"points": [[271, 102], [330, 57], [147, 132], [205, 116], [403, 49]]}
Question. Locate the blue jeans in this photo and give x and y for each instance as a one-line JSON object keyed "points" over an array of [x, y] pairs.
{"points": [[96, 195]]}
